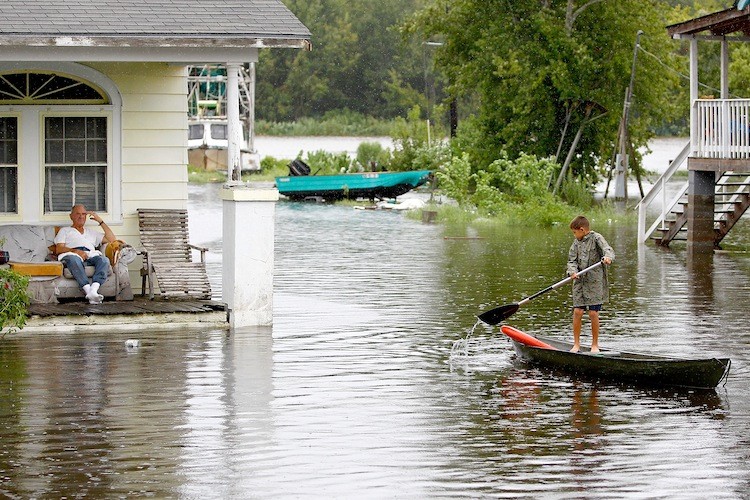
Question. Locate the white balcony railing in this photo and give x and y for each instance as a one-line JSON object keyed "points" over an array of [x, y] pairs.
{"points": [[721, 128]]}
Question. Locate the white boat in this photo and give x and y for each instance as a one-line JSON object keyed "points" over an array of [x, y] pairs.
{"points": [[208, 131], [208, 143]]}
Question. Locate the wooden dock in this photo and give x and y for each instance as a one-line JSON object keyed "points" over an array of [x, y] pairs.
{"points": [[126, 315]]}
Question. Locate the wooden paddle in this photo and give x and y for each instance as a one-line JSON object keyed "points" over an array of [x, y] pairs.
{"points": [[498, 314]]}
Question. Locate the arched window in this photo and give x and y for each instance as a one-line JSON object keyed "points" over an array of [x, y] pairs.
{"points": [[33, 87], [70, 159]]}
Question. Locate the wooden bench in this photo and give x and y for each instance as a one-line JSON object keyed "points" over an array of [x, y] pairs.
{"points": [[167, 256]]}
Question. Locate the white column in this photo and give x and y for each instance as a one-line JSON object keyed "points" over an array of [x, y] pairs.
{"points": [[253, 156], [725, 118], [234, 127], [693, 95], [248, 248], [724, 68]]}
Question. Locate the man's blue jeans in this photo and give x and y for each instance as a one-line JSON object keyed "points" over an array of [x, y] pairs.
{"points": [[76, 267]]}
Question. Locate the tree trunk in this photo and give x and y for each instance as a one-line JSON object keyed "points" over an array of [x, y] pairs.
{"points": [[572, 150]]}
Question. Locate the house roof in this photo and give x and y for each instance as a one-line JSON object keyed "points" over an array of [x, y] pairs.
{"points": [[721, 23], [150, 23]]}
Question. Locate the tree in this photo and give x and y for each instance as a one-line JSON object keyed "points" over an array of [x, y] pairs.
{"points": [[293, 84], [546, 72], [359, 62], [739, 81]]}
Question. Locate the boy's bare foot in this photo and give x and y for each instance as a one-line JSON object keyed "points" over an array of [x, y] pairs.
{"points": [[594, 349], [575, 348]]}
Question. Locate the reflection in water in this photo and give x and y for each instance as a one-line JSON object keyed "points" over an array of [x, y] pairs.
{"points": [[358, 390]]}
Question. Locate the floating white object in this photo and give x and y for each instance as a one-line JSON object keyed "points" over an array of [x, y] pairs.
{"points": [[408, 204], [132, 343]]}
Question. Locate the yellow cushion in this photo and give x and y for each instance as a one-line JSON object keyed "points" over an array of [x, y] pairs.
{"points": [[37, 268]]}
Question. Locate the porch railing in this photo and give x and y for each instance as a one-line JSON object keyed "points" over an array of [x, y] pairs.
{"points": [[721, 128]]}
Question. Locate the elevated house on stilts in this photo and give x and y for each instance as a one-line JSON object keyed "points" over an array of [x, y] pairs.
{"points": [[717, 157]]}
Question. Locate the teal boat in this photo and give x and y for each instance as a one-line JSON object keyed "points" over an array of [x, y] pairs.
{"points": [[370, 185]]}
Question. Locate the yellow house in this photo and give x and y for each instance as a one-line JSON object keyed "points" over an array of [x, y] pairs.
{"points": [[93, 99]]}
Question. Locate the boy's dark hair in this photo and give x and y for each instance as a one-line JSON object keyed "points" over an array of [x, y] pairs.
{"points": [[579, 222]]}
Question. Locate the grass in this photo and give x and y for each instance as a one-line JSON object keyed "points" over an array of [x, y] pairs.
{"points": [[340, 123], [197, 175], [526, 215]]}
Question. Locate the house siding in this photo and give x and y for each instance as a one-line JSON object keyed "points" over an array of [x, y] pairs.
{"points": [[154, 141]]}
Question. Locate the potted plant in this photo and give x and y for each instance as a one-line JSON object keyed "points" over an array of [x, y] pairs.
{"points": [[4, 255], [14, 301]]}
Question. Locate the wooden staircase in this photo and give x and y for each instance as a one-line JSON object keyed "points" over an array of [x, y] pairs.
{"points": [[731, 201]]}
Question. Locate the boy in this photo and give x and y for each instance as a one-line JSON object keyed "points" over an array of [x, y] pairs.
{"points": [[591, 290]]}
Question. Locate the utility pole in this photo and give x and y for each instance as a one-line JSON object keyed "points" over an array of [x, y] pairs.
{"points": [[621, 161]]}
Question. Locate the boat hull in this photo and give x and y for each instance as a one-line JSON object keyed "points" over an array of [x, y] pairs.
{"points": [[215, 159], [363, 185], [208, 146], [636, 368]]}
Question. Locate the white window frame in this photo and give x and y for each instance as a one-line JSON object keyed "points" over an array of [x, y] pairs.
{"points": [[31, 166], [14, 216], [42, 140]]}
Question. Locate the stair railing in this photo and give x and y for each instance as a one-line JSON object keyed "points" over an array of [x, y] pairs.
{"points": [[659, 188], [734, 196]]}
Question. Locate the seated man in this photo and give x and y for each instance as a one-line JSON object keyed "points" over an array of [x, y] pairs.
{"points": [[77, 246]]}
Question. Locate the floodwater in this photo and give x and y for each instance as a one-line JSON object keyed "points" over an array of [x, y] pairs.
{"points": [[356, 391]]}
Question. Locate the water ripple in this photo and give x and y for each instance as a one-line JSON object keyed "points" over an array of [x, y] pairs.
{"points": [[372, 382]]}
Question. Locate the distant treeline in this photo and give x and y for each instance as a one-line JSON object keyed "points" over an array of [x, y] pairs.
{"points": [[364, 60], [360, 62]]}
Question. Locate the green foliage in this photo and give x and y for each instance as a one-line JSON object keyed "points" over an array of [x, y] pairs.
{"points": [[333, 123], [739, 77], [511, 191], [274, 166], [373, 156], [432, 156], [270, 168], [520, 70], [415, 146], [355, 49], [576, 194], [456, 180], [521, 181], [14, 300], [525, 178], [543, 71], [325, 163]]}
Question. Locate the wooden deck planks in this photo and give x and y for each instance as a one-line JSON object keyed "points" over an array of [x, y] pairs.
{"points": [[136, 307]]}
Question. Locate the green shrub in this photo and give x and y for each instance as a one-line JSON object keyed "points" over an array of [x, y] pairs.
{"points": [[524, 179], [14, 300], [455, 180], [325, 163], [433, 156], [411, 145], [576, 194], [373, 154]]}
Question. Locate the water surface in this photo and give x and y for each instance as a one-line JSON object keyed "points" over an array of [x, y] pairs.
{"points": [[355, 391]]}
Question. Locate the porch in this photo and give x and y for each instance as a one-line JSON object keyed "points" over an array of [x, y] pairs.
{"points": [[124, 316], [717, 193]]}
